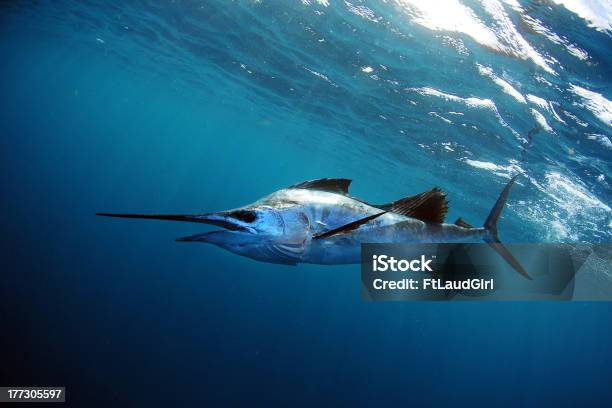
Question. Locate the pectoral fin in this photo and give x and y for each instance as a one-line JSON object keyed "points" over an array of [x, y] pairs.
{"points": [[348, 227]]}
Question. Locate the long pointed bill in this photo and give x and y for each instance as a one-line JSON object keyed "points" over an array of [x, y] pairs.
{"points": [[217, 219]]}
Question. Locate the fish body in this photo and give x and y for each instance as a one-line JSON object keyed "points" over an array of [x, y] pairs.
{"points": [[319, 222]]}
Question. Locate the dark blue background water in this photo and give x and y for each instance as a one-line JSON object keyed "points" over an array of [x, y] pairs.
{"points": [[202, 106]]}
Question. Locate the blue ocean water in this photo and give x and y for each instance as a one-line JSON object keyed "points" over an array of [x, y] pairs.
{"points": [[191, 106]]}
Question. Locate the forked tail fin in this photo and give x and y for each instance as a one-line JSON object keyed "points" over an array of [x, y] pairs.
{"points": [[491, 226]]}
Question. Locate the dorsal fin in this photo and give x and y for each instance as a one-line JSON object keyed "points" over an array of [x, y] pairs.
{"points": [[336, 185], [462, 223], [430, 206]]}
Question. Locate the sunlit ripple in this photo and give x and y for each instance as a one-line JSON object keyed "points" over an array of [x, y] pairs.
{"points": [[595, 102], [451, 15], [597, 13]]}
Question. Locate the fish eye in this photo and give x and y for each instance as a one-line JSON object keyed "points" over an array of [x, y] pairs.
{"points": [[246, 216]]}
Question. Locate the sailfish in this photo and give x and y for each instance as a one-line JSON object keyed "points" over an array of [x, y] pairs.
{"points": [[319, 222]]}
